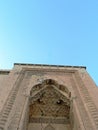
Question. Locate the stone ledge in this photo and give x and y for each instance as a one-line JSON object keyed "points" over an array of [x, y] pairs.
{"points": [[47, 65], [4, 72]]}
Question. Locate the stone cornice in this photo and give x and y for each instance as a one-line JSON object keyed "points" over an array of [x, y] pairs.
{"points": [[4, 72], [47, 65]]}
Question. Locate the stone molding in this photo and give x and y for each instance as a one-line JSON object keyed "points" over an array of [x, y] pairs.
{"points": [[9, 103], [83, 98], [49, 120]]}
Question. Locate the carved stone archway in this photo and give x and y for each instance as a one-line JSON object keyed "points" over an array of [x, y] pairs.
{"points": [[49, 103]]}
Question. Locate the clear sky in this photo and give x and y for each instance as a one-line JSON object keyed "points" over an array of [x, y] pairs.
{"points": [[63, 32]]}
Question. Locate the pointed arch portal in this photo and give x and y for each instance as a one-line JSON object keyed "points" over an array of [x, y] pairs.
{"points": [[49, 106]]}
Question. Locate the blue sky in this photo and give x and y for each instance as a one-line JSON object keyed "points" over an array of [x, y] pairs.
{"points": [[63, 32]]}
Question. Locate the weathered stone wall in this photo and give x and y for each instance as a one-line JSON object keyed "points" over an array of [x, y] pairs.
{"points": [[16, 84]]}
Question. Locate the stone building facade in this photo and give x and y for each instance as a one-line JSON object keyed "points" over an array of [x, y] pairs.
{"points": [[47, 97]]}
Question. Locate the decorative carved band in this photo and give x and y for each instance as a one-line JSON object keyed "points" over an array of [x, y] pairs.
{"points": [[88, 100], [9, 103], [49, 120], [45, 70]]}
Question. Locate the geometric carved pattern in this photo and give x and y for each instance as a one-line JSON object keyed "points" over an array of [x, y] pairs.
{"points": [[9, 103], [49, 120], [81, 107], [51, 82], [91, 106], [49, 104]]}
